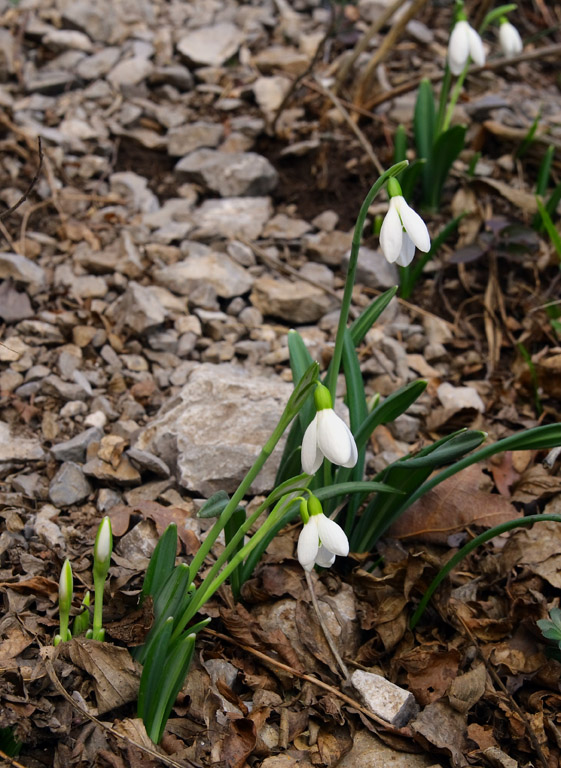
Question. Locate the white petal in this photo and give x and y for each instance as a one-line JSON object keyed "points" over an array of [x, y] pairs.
{"points": [[324, 557], [311, 455], [510, 40], [354, 451], [407, 252], [332, 536], [308, 545], [334, 437], [458, 48], [414, 226], [476, 50], [391, 233]]}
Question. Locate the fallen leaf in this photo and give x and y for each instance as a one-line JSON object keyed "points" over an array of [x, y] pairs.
{"points": [[538, 548], [116, 676], [239, 742], [441, 727], [453, 505]]}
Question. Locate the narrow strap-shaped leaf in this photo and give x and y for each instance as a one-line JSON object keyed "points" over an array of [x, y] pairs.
{"points": [[388, 410], [364, 322], [410, 275], [446, 149], [424, 125], [151, 678], [174, 673], [545, 171], [230, 530], [161, 563]]}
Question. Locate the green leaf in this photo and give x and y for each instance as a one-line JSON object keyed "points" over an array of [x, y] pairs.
{"points": [[410, 176], [161, 563], [400, 144], [495, 14], [173, 676], [446, 149], [214, 506], [388, 410], [303, 389], [360, 327], [469, 547], [549, 227], [529, 138], [230, 529], [545, 171], [151, 678], [415, 271]]}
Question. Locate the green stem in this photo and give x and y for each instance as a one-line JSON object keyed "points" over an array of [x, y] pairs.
{"points": [[444, 91], [454, 98], [97, 631], [469, 547], [213, 581], [331, 379]]}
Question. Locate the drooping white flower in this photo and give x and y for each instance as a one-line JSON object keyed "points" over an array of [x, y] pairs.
{"points": [[509, 38], [402, 230], [464, 42], [321, 539], [327, 436]]}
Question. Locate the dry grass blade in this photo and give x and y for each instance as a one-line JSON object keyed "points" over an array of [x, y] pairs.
{"points": [[32, 183]]}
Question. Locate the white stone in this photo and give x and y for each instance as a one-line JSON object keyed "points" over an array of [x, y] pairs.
{"points": [[212, 45], [385, 699], [20, 268], [457, 398], [216, 269], [233, 217]]}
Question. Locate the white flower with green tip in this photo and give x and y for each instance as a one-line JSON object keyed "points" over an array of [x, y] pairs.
{"points": [[402, 229], [509, 38], [321, 539], [327, 436], [464, 43]]}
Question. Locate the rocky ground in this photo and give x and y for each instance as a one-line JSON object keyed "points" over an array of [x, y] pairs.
{"points": [[179, 185]]}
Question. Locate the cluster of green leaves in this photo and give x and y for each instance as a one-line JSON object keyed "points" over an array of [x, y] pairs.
{"points": [[166, 654]]}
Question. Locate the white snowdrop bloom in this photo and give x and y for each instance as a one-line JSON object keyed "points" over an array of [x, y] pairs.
{"points": [[320, 540], [510, 40], [402, 230], [103, 543], [464, 42], [327, 436]]}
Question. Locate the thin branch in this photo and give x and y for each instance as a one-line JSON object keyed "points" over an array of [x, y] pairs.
{"points": [[27, 192]]}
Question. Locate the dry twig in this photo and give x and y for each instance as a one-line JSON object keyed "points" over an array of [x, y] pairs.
{"points": [[32, 183]]}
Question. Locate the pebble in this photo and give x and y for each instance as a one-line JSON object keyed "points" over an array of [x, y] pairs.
{"points": [[69, 486], [230, 174], [295, 302]]}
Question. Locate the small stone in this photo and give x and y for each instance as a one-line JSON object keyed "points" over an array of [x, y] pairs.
{"points": [[456, 398], [326, 221], [20, 268], [387, 700], [187, 138], [230, 174], [283, 227], [373, 269], [226, 277], [295, 302], [233, 217], [10, 380], [138, 309], [12, 349], [96, 419], [107, 498], [32, 485], [111, 449], [99, 64], [149, 462], [63, 39], [134, 187], [270, 92], [75, 448], [130, 72], [328, 247], [124, 474], [18, 448], [211, 45], [69, 486], [47, 530], [54, 385], [280, 57]]}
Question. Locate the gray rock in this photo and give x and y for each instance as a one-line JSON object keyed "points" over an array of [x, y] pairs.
{"points": [[283, 227], [187, 138], [99, 64], [131, 185], [295, 302], [233, 217], [98, 20], [385, 699], [49, 82], [138, 309], [176, 75], [63, 39], [373, 270], [106, 499], [18, 448], [130, 72], [217, 270], [328, 247], [149, 462], [124, 474], [231, 174], [75, 448], [212, 45], [32, 485], [54, 385], [214, 429], [40, 332], [14, 305], [20, 268], [69, 486]]}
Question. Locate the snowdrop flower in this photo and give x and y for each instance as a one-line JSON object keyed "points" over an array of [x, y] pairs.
{"points": [[321, 539], [464, 42], [509, 38], [402, 229], [327, 436], [102, 548]]}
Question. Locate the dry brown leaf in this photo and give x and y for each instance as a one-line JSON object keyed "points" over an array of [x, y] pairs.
{"points": [[332, 745], [38, 585], [538, 548], [239, 742], [116, 676], [452, 506], [536, 483], [467, 689], [14, 640], [523, 200], [430, 671], [504, 473], [443, 728]]}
